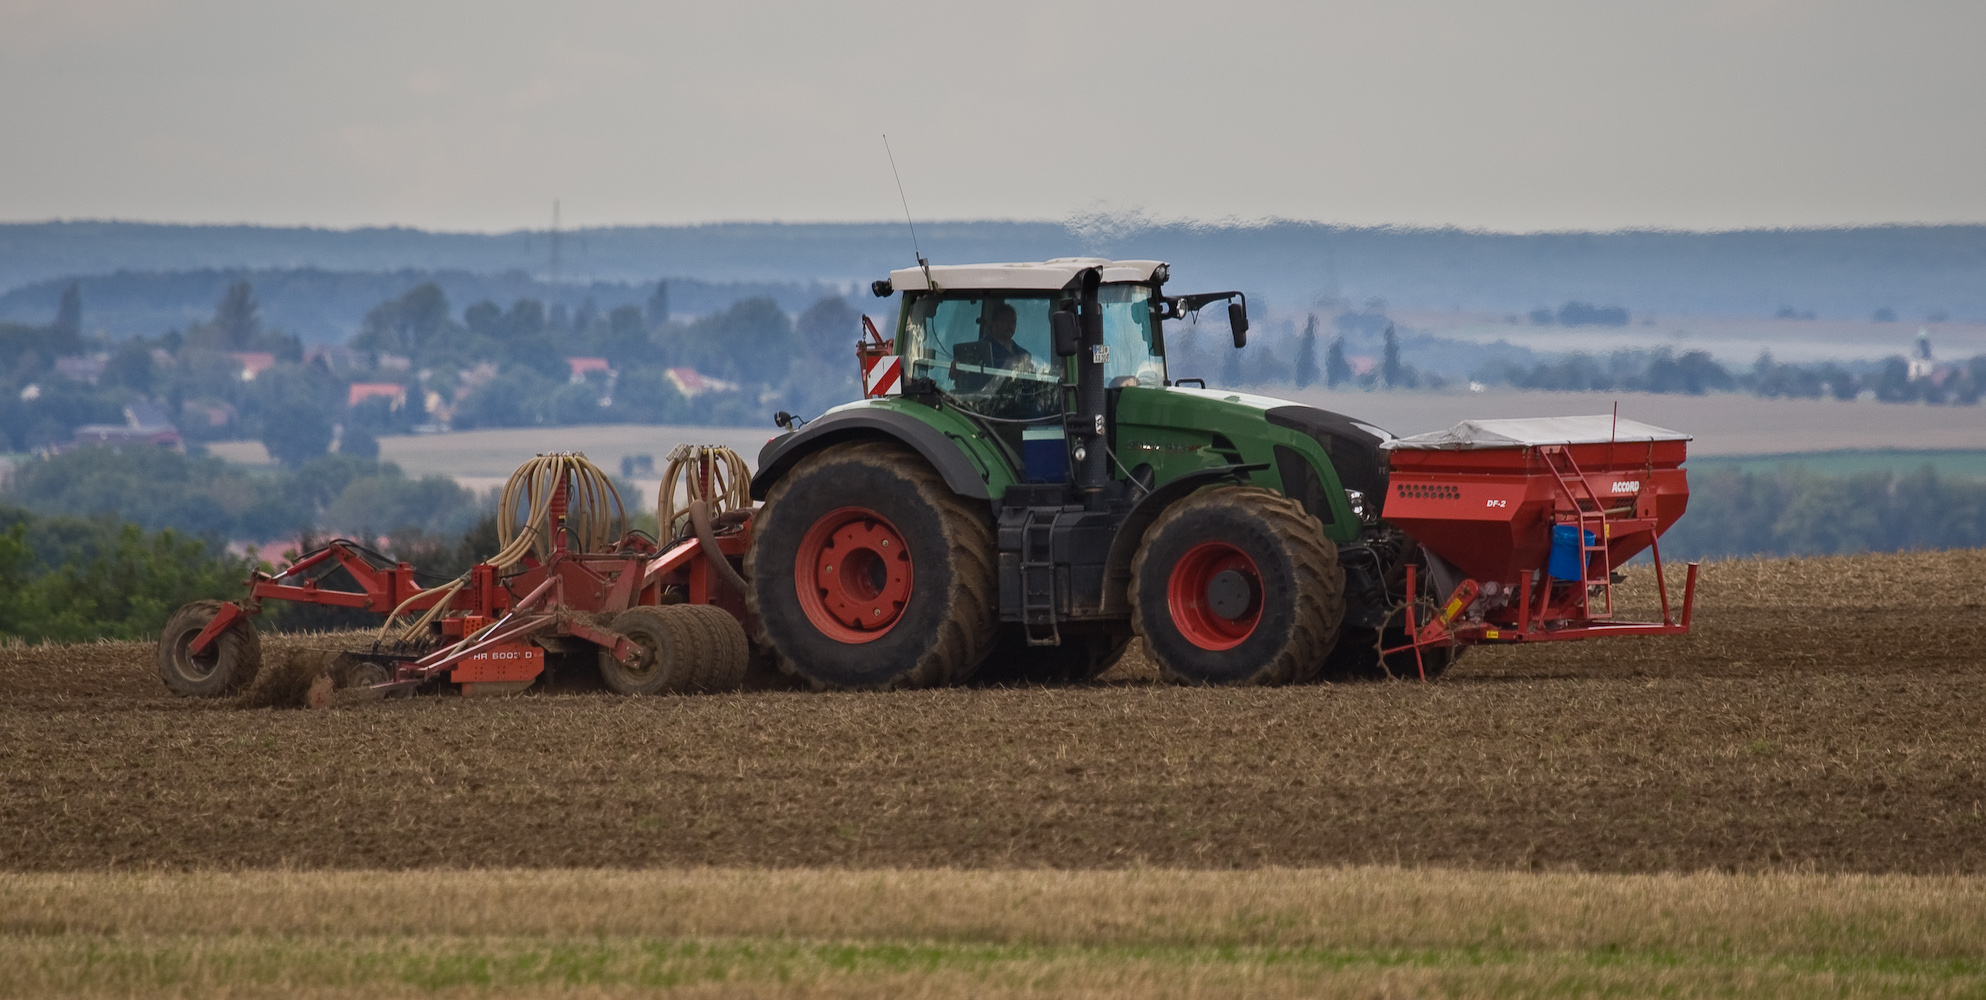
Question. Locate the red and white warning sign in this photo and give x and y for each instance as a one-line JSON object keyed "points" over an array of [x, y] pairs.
{"points": [[882, 375], [882, 367]]}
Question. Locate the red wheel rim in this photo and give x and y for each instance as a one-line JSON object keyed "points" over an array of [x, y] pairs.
{"points": [[1215, 595], [853, 575]]}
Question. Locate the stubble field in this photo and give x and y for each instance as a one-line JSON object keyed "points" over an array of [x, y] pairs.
{"points": [[1819, 735]]}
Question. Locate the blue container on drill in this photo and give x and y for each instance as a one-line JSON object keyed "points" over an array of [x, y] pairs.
{"points": [[1045, 453], [1567, 562]]}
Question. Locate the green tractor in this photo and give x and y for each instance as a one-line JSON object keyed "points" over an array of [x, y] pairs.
{"points": [[1025, 487]]}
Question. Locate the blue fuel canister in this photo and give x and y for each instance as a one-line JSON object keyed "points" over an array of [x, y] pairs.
{"points": [[1045, 453], [1565, 563]]}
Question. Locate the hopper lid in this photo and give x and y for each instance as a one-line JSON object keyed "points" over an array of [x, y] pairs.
{"points": [[1523, 432]]}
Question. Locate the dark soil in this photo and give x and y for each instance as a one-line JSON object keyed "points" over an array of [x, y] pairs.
{"points": [[1826, 716]]}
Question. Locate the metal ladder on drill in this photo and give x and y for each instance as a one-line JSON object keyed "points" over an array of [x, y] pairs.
{"points": [[1592, 525]]}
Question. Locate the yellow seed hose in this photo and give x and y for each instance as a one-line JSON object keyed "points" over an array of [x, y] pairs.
{"points": [[594, 516], [730, 486]]}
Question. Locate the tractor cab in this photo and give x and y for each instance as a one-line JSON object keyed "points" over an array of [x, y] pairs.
{"points": [[985, 335]]}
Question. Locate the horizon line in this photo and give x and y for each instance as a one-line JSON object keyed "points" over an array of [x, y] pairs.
{"points": [[1124, 224]]}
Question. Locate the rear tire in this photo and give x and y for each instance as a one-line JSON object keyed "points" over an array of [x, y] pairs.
{"points": [[1237, 585], [230, 664], [868, 572]]}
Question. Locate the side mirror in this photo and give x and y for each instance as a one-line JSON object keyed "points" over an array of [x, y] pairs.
{"points": [[1062, 324], [1237, 317]]}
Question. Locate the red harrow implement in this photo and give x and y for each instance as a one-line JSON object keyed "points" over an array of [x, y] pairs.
{"points": [[660, 618], [1526, 521]]}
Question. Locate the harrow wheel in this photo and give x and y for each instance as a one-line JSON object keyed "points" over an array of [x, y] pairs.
{"points": [[868, 572], [723, 653], [1237, 585], [685, 647], [232, 662]]}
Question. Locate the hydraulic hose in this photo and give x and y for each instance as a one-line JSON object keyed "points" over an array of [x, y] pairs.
{"points": [[729, 488], [594, 516], [707, 541]]}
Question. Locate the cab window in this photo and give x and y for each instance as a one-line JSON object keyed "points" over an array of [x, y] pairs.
{"points": [[1127, 329], [991, 352]]}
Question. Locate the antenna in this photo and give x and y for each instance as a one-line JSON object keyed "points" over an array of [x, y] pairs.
{"points": [[555, 247], [1614, 434], [914, 248]]}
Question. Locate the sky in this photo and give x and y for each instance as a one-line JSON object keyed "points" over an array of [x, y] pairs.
{"points": [[1516, 116]]}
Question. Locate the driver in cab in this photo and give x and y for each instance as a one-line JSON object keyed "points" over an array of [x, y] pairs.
{"points": [[995, 350], [1002, 352]]}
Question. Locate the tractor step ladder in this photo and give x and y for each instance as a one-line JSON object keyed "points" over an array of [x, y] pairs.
{"points": [[1038, 581], [1593, 529]]}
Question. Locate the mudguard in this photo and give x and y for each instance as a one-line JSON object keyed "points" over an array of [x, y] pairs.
{"points": [[871, 423]]}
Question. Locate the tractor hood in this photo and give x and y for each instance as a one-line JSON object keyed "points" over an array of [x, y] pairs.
{"points": [[1265, 404], [1353, 446]]}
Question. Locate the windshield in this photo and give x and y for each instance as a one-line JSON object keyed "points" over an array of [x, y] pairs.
{"points": [[992, 350], [1127, 329]]}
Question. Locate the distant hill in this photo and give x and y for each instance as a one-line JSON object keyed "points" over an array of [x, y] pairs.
{"points": [[1914, 271], [323, 306]]}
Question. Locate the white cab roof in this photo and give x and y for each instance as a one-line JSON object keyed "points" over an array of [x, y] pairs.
{"points": [[1527, 431], [1046, 275]]}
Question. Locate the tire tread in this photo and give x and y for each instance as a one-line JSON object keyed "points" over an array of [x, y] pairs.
{"points": [[239, 649], [1319, 583], [965, 635]]}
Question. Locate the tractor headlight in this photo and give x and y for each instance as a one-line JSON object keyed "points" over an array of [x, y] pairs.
{"points": [[1359, 508]]}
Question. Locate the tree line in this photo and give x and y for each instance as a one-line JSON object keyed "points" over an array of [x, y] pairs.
{"points": [[1794, 512], [492, 365], [1696, 373], [69, 579], [486, 366], [204, 498]]}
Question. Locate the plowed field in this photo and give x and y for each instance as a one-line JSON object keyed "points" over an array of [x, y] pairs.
{"points": [[1827, 715]]}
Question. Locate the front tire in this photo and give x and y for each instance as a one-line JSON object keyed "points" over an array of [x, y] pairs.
{"points": [[1237, 585], [867, 572]]}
